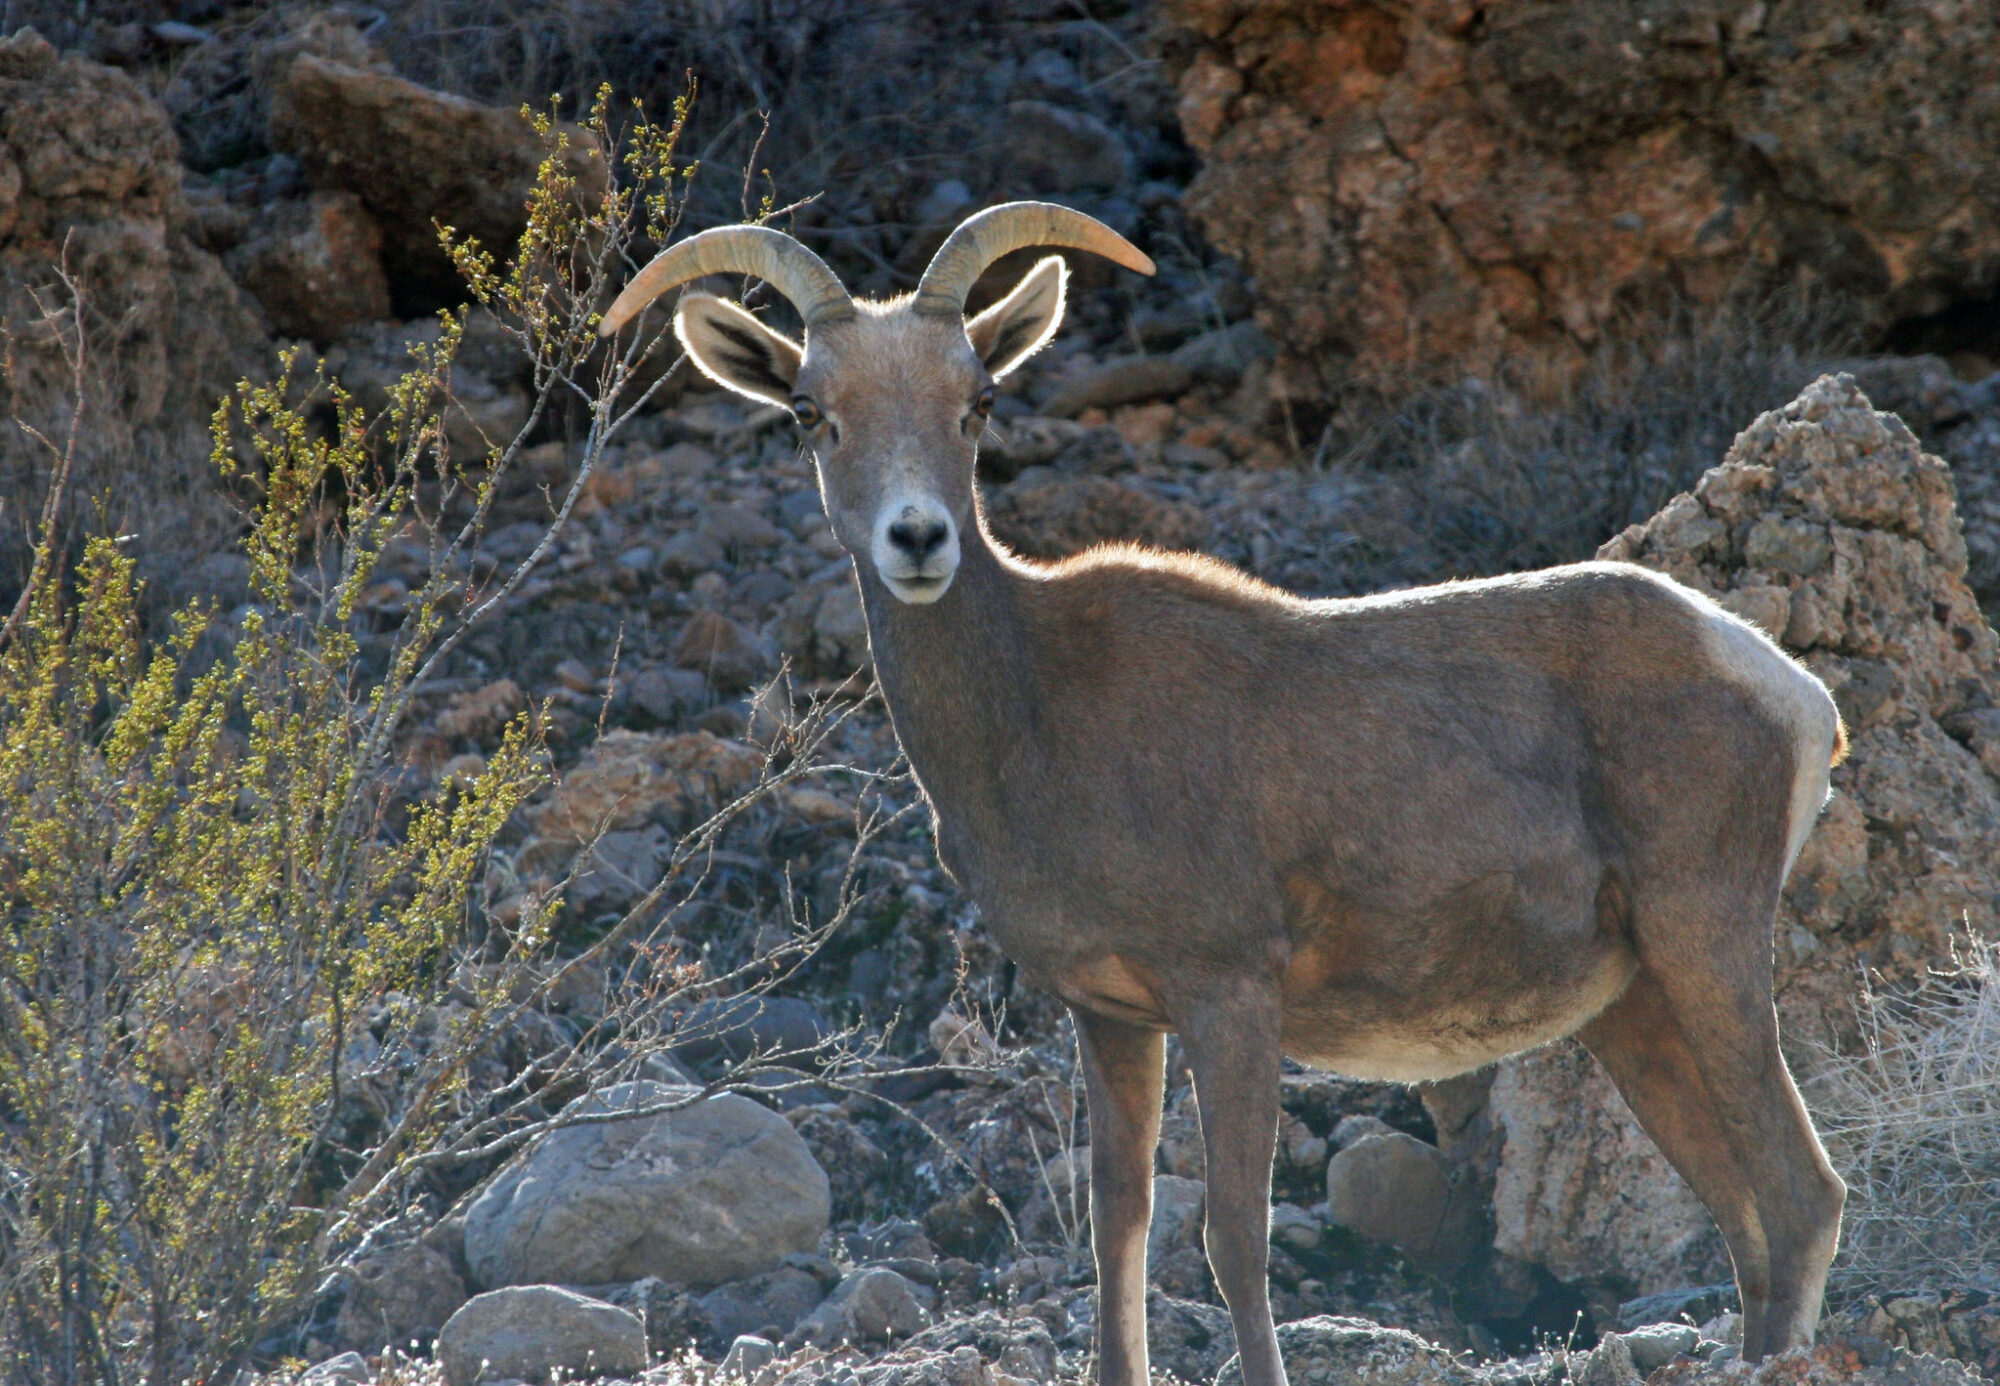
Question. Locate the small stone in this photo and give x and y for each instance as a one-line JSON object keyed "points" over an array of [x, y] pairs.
{"points": [[1293, 1228], [737, 528], [1177, 1215], [1328, 1349], [1358, 1128], [875, 1305], [667, 695], [688, 553], [718, 647], [536, 1331], [749, 1354], [772, 1302], [1610, 1364], [348, 1369], [1399, 1190], [1657, 1344], [699, 1196]]}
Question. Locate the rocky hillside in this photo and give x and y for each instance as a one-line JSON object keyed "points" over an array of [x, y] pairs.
{"points": [[1430, 186]]}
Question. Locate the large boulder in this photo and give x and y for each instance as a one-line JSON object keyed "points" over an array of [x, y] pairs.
{"points": [[1582, 1191], [710, 1193], [1828, 525], [90, 176], [1435, 184]]}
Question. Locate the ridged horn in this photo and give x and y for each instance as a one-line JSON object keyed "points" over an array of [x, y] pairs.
{"points": [[772, 256], [985, 236]]}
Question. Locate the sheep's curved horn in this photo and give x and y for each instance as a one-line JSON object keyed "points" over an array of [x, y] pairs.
{"points": [[772, 256], [985, 236]]}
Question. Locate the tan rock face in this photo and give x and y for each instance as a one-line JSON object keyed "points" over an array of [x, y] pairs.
{"points": [[1442, 183], [1829, 525], [90, 176], [414, 157]]}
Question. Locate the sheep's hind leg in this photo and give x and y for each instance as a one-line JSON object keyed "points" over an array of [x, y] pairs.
{"points": [[1697, 1061]]}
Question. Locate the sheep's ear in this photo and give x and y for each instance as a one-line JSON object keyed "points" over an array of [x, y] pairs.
{"points": [[736, 351], [1020, 324]]}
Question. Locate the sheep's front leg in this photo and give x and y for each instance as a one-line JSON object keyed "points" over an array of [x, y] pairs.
{"points": [[1232, 1049], [1124, 1070]]}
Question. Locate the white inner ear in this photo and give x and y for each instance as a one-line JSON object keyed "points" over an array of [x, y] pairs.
{"points": [[731, 347], [1021, 324]]}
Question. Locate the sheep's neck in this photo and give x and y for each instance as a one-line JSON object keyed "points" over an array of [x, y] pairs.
{"points": [[961, 680]]}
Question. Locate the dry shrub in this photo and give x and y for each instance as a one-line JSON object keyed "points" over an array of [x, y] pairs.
{"points": [[1912, 1122], [250, 1001], [1518, 473]]}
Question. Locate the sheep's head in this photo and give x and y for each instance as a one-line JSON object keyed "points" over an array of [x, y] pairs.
{"points": [[892, 396]]}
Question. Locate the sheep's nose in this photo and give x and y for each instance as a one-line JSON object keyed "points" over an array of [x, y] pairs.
{"points": [[919, 536]]}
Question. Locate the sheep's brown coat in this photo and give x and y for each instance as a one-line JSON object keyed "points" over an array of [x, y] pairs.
{"points": [[1398, 836]]}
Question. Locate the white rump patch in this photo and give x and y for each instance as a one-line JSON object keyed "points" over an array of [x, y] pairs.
{"points": [[1753, 662]]}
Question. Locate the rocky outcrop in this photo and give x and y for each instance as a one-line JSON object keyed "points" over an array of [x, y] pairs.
{"points": [[416, 158], [1430, 186], [700, 1196], [316, 266], [90, 176], [1829, 526]]}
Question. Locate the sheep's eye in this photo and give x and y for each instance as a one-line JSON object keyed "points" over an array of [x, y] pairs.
{"points": [[807, 413], [983, 406]]}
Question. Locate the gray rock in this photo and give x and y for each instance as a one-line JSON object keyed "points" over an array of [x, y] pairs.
{"points": [[1358, 1128], [1186, 1339], [739, 1026], [737, 528], [1658, 1344], [1562, 1125], [689, 553], [1020, 1347], [1177, 1207], [667, 695], [1293, 1228], [621, 867], [869, 1306], [1328, 1348], [348, 1369], [1396, 1189], [701, 1196], [728, 654], [1610, 1364], [397, 1297], [533, 1331], [748, 1355], [1696, 1304], [770, 1303]]}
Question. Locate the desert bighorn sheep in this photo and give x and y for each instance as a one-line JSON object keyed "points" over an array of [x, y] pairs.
{"points": [[1398, 837]]}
